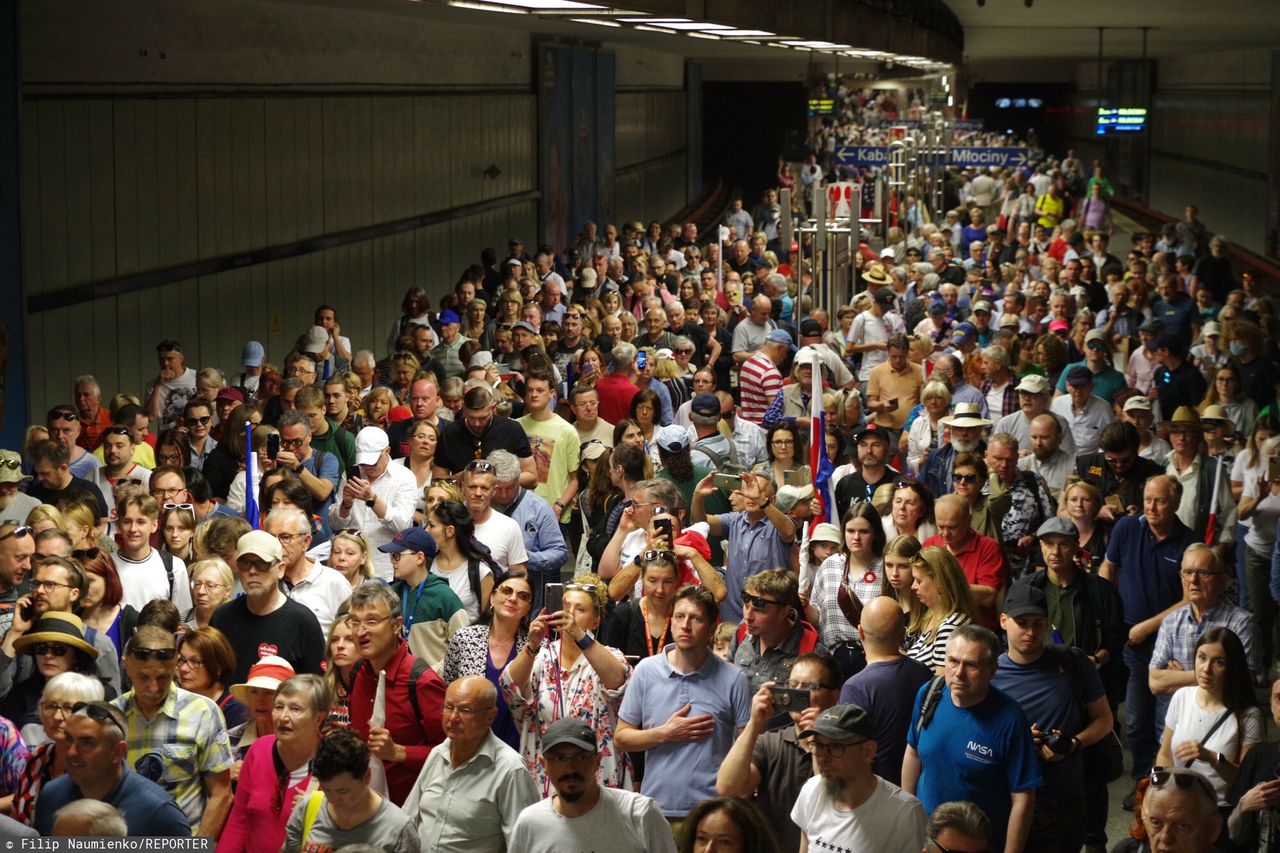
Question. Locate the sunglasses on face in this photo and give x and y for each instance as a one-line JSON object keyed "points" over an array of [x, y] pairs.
{"points": [[204, 421], [55, 649], [143, 654], [967, 479], [518, 594], [758, 602], [83, 554]]}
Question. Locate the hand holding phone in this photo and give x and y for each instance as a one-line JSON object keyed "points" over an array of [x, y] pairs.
{"points": [[273, 446], [553, 598], [789, 699]]}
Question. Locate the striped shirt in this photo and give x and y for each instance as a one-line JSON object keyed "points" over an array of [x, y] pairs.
{"points": [[932, 651], [184, 741], [760, 383]]}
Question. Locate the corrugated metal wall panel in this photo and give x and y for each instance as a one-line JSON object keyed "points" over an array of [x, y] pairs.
{"points": [[119, 186]]}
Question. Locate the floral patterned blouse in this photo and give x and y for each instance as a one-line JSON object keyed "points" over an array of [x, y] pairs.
{"points": [[585, 699]]}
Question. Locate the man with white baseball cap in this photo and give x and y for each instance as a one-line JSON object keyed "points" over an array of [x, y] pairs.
{"points": [[376, 498], [1034, 397], [15, 505]]}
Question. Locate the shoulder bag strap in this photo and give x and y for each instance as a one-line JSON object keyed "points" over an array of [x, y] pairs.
{"points": [[850, 604]]}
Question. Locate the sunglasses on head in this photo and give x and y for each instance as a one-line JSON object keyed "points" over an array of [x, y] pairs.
{"points": [[63, 416], [117, 430], [480, 466], [140, 653], [664, 555], [96, 711], [187, 507], [1183, 777], [16, 533]]}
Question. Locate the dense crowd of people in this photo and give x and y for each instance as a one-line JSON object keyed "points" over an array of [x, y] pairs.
{"points": [[549, 564]]}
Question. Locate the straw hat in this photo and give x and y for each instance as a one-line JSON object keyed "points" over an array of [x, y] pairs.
{"points": [[1184, 417], [877, 276], [966, 415], [57, 626], [1214, 413]]}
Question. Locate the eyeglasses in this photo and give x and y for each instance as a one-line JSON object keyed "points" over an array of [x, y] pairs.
{"points": [[63, 416], [52, 708], [194, 663], [664, 555], [292, 442], [967, 479], [167, 493], [199, 586], [519, 594], [1199, 574], [367, 624], [942, 849], [83, 554], [16, 533], [480, 466], [289, 538], [141, 653], [835, 749], [784, 442], [464, 710], [811, 685], [757, 602], [39, 585], [55, 649], [204, 421], [1183, 778]]}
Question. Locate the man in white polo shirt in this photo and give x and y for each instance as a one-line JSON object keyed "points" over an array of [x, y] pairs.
{"points": [[378, 500]]}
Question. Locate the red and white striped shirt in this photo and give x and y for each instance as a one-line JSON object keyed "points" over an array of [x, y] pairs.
{"points": [[760, 383]]}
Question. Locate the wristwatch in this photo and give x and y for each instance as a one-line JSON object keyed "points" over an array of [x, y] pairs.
{"points": [[587, 640], [371, 501]]}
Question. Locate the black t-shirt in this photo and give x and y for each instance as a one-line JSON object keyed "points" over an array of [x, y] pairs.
{"points": [[76, 487], [458, 446], [1093, 469], [291, 632], [1258, 766], [853, 487]]}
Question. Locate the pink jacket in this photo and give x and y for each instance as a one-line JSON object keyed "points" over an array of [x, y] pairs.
{"points": [[254, 824]]}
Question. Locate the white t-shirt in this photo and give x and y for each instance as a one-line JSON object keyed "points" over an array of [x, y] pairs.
{"points": [[502, 535], [461, 585], [1190, 722], [995, 402], [621, 822], [890, 821], [867, 328], [146, 580]]}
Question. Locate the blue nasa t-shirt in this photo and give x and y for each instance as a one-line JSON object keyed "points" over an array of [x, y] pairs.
{"points": [[982, 754]]}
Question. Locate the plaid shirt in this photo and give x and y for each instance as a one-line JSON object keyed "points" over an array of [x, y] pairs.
{"points": [[1031, 502], [1179, 633], [184, 741], [833, 627]]}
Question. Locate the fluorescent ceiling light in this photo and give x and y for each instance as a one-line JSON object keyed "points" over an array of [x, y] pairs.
{"points": [[485, 7], [818, 45], [744, 34], [653, 20], [596, 22], [693, 25], [655, 30], [703, 36], [548, 5]]}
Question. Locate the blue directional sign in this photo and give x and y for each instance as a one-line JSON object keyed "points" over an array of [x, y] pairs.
{"points": [[1003, 157], [876, 155]]}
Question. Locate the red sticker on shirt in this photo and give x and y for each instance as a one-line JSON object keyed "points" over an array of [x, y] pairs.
{"points": [[869, 577], [267, 650]]}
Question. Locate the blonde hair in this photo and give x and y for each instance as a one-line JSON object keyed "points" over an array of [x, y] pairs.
{"points": [[47, 514], [954, 595], [599, 591], [366, 553]]}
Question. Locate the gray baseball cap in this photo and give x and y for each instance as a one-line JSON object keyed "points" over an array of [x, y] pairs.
{"points": [[570, 731]]}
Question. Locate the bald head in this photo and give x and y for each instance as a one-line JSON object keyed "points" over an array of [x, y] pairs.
{"points": [[883, 626]]}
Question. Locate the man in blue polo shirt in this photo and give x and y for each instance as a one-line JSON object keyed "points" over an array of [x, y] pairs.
{"points": [[1144, 558], [96, 770], [684, 708]]}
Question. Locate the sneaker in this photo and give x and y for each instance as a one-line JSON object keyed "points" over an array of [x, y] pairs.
{"points": [[1130, 801]]}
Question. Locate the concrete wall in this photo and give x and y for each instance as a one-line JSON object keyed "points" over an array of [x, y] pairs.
{"points": [[157, 134]]}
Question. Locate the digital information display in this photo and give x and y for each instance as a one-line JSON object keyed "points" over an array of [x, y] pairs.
{"points": [[821, 106], [1121, 120]]}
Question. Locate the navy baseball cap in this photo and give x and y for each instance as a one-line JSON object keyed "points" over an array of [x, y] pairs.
{"points": [[411, 539]]}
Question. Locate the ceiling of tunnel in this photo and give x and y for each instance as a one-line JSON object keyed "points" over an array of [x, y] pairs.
{"points": [[1054, 29]]}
